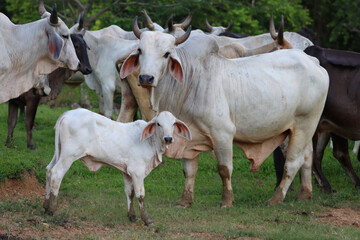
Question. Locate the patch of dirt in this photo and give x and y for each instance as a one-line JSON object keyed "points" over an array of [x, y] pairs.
{"points": [[25, 187], [340, 217]]}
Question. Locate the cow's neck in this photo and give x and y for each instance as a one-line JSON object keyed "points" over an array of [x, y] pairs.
{"points": [[28, 42]]}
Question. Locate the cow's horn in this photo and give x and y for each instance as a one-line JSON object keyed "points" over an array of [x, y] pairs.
{"points": [[148, 22], [170, 24], [229, 27], [135, 28], [272, 27], [41, 8], [81, 21], [208, 26], [186, 22], [53, 16], [183, 38], [281, 31]]}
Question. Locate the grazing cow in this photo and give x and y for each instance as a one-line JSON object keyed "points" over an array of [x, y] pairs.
{"points": [[222, 31], [254, 102], [28, 50], [134, 148], [41, 94], [107, 46], [340, 119]]}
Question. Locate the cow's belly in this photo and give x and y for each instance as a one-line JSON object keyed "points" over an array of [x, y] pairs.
{"points": [[349, 131]]}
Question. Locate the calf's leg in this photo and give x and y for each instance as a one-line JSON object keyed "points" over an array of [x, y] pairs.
{"points": [[305, 171], [129, 192], [139, 189]]}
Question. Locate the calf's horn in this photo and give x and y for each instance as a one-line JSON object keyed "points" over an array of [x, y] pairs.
{"points": [[183, 37], [186, 22], [208, 26], [229, 27], [135, 28], [148, 22], [53, 16]]}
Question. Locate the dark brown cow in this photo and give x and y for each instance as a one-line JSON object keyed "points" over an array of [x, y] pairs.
{"points": [[340, 119], [33, 97]]}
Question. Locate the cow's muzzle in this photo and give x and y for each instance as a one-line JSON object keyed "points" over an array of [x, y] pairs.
{"points": [[168, 140], [146, 80]]}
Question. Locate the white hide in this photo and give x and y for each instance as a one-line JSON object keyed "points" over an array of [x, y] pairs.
{"points": [[134, 148], [24, 54], [247, 101]]}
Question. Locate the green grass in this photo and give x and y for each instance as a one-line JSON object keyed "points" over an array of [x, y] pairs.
{"points": [[98, 198]]}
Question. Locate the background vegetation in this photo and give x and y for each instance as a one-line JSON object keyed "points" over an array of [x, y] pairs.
{"points": [[335, 21]]}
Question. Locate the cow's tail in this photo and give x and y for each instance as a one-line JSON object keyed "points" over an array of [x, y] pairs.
{"points": [[57, 137]]}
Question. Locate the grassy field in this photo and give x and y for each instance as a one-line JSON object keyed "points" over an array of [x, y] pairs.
{"points": [[93, 205]]}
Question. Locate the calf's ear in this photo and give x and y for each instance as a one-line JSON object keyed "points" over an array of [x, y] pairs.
{"points": [[148, 131], [176, 70], [130, 64], [182, 130], [55, 45]]}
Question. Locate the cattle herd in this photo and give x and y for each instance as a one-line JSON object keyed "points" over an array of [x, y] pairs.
{"points": [[196, 92]]}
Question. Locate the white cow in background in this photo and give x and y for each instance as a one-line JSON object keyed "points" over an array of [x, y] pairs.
{"points": [[134, 148], [254, 102], [28, 50], [106, 47]]}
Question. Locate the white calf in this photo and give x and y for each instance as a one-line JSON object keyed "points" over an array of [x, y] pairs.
{"points": [[133, 148]]}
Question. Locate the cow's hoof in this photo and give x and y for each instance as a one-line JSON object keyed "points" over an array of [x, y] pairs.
{"points": [[328, 190], [149, 223], [276, 199], [227, 198], [304, 196], [32, 147], [183, 203], [226, 203], [132, 218], [9, 145]]}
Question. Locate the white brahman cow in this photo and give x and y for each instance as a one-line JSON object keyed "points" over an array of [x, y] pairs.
{"points": [[254, 102], [133, 148], [28, 50]]}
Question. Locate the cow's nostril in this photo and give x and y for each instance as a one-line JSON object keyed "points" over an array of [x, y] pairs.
{"points": [[146, 79], [151, 80], [168, 139]]}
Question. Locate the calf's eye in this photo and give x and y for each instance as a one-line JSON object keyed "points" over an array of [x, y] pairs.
{"points": [[166, 55]]}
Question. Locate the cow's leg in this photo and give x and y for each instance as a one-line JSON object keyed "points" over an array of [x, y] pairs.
{"points": [[108, 91], [295, 155], [279, 162], [341, 153], [22, 112], [139, 189], [190, 167], [129, 192], [128, 103], [12, 118], [306, 186], [223, 149], [56, 175], [31, 108], [320, 144], [101, 104]]}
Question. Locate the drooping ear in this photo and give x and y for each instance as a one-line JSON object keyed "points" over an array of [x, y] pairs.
{"points": [[148, 131], [55, 45], [182, 130], [176, 70], [130, 65]]}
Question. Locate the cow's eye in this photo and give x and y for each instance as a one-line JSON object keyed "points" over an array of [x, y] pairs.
{"points": [[166, 55], [139, 50], [158, 124], [65, 36]]}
